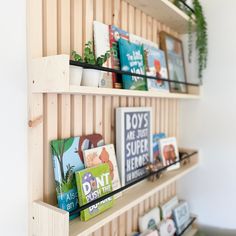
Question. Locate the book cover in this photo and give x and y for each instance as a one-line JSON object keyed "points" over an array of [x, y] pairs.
{"points": [[67, 156], [93, 183], [181, 216], [155, 64], [156, 149], [133, 142], [169, 152], [166, 208], [101, 46], [115, 34], [131, 59], [104, 154], [150, 220]]}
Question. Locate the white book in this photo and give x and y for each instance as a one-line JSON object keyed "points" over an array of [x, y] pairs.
{"points": [[169, 152], [133, 142]]}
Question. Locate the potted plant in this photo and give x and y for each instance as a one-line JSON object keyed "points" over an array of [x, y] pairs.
{"points": [[76, 71], [196, 15], [91, 77]]}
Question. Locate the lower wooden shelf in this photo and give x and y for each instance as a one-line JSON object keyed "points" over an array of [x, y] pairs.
{"points": [[192, 231], [52, 216]]}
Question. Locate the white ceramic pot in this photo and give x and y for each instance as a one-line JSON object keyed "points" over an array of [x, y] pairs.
{"points": [[75, 75], [91, 77]]}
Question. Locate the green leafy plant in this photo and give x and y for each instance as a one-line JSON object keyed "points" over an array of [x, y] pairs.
{"points": [[197, 17], [89, 55]]}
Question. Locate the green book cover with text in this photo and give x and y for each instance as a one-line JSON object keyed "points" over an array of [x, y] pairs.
{"points": [[93, 183]]}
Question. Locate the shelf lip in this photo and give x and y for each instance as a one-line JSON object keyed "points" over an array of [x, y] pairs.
{"points": [[129, 199], [84, 90], [165, 12]]}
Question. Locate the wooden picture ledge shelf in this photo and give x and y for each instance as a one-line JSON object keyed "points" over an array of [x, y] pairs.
{"points": [[165, 12], [51, 75], [52, 216]]}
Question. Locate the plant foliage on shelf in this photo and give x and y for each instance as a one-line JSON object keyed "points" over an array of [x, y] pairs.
{"points": [[89, 55], [198, 17]]}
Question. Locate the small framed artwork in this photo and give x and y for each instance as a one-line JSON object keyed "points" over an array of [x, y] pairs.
{"points": [[175, 62]]}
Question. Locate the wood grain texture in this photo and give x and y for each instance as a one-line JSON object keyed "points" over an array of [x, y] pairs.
{"points": [[59, 26]]}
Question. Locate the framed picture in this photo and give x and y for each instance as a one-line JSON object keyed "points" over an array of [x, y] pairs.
{"points": [[175, 62]]}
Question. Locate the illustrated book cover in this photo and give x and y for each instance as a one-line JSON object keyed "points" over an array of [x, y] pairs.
{"points": [[133, 142], [156, 149], [150, 220], [181, 216], [67, 156], [155, 64], [166, 208], [93, 183], [115, 35], [169, 152], [104, 154], [131, 59]]}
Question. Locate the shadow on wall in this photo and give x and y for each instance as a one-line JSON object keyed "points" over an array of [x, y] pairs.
{"points": [[211, 231]]}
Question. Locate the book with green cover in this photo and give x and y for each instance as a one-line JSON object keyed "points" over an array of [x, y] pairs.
{"points": [[93, 183]]}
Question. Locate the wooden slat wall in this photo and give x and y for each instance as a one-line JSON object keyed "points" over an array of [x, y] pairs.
{"points": [[65, 25]]}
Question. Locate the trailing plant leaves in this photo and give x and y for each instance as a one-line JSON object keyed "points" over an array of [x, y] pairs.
{"points": [[201, 33]]}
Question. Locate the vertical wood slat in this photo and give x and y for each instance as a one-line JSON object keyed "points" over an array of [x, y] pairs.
{"points": [[57, 39], [35, 103], [116, 13], [50, 100]]}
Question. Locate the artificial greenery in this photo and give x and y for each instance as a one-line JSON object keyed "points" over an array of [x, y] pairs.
{"points": [[89, 55], [196, 16]]}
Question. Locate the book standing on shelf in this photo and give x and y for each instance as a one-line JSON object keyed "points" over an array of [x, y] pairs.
{"points": [[115, 35], [133, 142], [169, 152], [93, 183], [67, 156], [131, 60], [104, 154]]}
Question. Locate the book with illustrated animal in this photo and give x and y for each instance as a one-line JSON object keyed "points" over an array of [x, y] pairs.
{"points": [[131, 60], [67, 156], [104, 154], [116, 34], [155, 64], [169, 152], [93, 183], [133, 142]]}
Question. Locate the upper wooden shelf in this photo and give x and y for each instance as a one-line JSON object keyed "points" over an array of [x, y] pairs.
{"points": [[51, 75], [165, 12]]}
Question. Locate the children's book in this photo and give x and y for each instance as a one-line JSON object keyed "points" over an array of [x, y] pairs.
{"points": [[156, 149], [166, 208], [131, 59], [67, 155], [155, 64], [115, 35], [101, 46], [133, 142], [104, 154], [93, 183], [150, 220], [169, 152]]}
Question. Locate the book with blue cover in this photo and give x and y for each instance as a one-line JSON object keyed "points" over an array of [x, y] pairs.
{"points": [[67, 156], [131, 59], [156, 148], [93, 183]]}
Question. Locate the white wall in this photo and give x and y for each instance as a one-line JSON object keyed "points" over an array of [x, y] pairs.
{"points": [[209, 124], [13, 119]]}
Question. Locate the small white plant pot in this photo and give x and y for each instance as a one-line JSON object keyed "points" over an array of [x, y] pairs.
{"points": [[91, 77], [76, 75]]}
